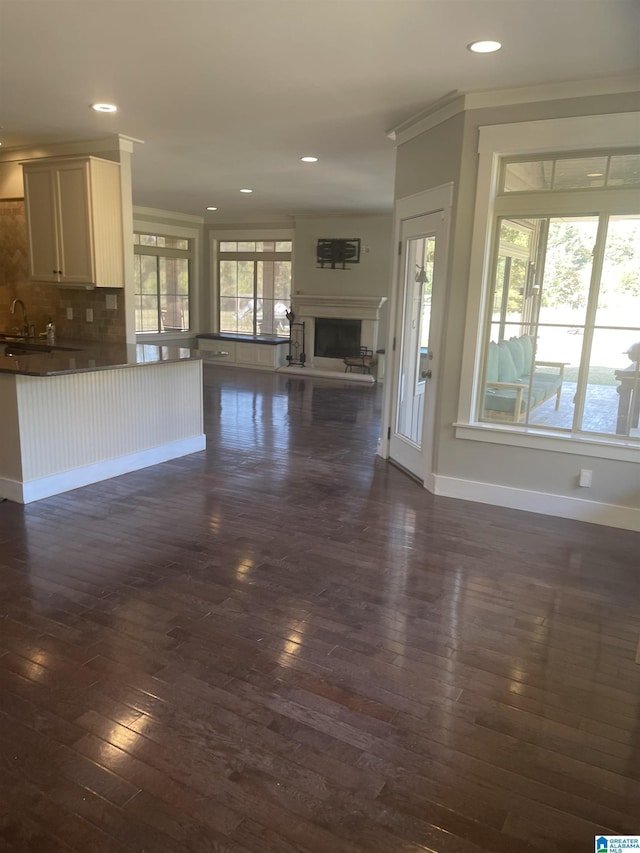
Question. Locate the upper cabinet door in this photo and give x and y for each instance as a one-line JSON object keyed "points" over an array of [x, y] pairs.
{"points": [[74, 224], [39, 189], [75, 221]]}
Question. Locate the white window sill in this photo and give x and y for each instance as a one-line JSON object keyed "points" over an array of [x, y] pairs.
{"points": [[600, 447]]}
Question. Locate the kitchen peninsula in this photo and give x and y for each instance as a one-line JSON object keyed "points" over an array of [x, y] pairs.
{"points": [[87, 412]]}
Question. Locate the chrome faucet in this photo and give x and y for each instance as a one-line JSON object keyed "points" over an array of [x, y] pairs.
{"points": [[25, 321]]}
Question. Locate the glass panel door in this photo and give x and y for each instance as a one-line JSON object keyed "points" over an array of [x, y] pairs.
{"points": [[411, 439], [415, 354]]}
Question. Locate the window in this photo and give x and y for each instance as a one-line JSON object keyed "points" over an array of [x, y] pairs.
{"points": [[561, 349], [600, 170], [255, 286], [162, 270]]}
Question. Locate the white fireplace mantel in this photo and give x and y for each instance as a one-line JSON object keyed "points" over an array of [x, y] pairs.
{"points": [[333, 306], [310, 307]]}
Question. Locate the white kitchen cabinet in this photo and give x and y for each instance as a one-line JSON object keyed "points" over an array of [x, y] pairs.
{"points": [[74, 221], [257, 354]]}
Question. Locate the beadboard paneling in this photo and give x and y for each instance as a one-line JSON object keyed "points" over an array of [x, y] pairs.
{"points": [[107, 224], [75, 420]]}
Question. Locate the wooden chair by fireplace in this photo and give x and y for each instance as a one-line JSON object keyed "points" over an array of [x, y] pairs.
{"points": [[363, 362]]}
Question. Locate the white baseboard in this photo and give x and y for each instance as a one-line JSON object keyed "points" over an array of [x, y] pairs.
{"points": [[46, 487], [320, 373], [209, 360], [610, 515]]}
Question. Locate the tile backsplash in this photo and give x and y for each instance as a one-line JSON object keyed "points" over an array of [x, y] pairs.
{"points": [[44, 301]]}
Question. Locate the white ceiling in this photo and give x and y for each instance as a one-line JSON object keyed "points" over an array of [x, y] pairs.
{"points": [[231, 93]]}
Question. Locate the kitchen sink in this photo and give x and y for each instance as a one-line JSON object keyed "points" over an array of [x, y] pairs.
{"points": [[9, 338], [4, 337], [10, 349], [17, 345]]}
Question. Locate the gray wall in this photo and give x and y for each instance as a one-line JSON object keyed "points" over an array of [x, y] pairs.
{"points": [[431, 159], [449, 152], [371, 277]]}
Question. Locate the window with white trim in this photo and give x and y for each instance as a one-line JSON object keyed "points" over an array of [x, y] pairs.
{"points": [[162, 271], [561, 343], [254, 286]]}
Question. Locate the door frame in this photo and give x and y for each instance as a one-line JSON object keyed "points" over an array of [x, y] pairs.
{"points": [[436, 200]]}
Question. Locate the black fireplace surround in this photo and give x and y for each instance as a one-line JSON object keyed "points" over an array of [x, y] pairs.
{"points": [[336, 338]]}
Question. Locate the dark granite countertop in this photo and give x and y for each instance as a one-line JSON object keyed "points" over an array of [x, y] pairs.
{"points": [[272, 340], [85, 356]]}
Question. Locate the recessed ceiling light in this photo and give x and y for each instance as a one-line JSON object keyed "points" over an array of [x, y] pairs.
{"points": [[212, 208], [104, 108], [246, 191], [484, 46], [309, 159]]}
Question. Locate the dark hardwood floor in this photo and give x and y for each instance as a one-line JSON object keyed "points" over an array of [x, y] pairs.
{"points": [[285, 644]]}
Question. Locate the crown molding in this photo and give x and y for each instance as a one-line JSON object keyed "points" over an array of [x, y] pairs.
{"points": [[437, 112], [254, 230], [456, 102], [127, 143], [98, 146], [476, 100], [166, 215], [365, 214]]}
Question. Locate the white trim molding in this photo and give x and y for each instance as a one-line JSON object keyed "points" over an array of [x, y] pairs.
{"points": [[166, 217], [610, 515], [188, 227], [310, 307], [579, 133], [319, 373], [346, 307], [218, 233], [46, 487], [604, 447], [438, 199], [455, 102], [437, 113], [99, 146], [617, 130]]}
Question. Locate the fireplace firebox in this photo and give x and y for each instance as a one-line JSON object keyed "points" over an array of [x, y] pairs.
{"points": [[337, 338]]}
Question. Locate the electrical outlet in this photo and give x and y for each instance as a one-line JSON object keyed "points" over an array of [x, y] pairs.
{"points": [[69, 313], [89, 315], [586, 477], [111, 301]]}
